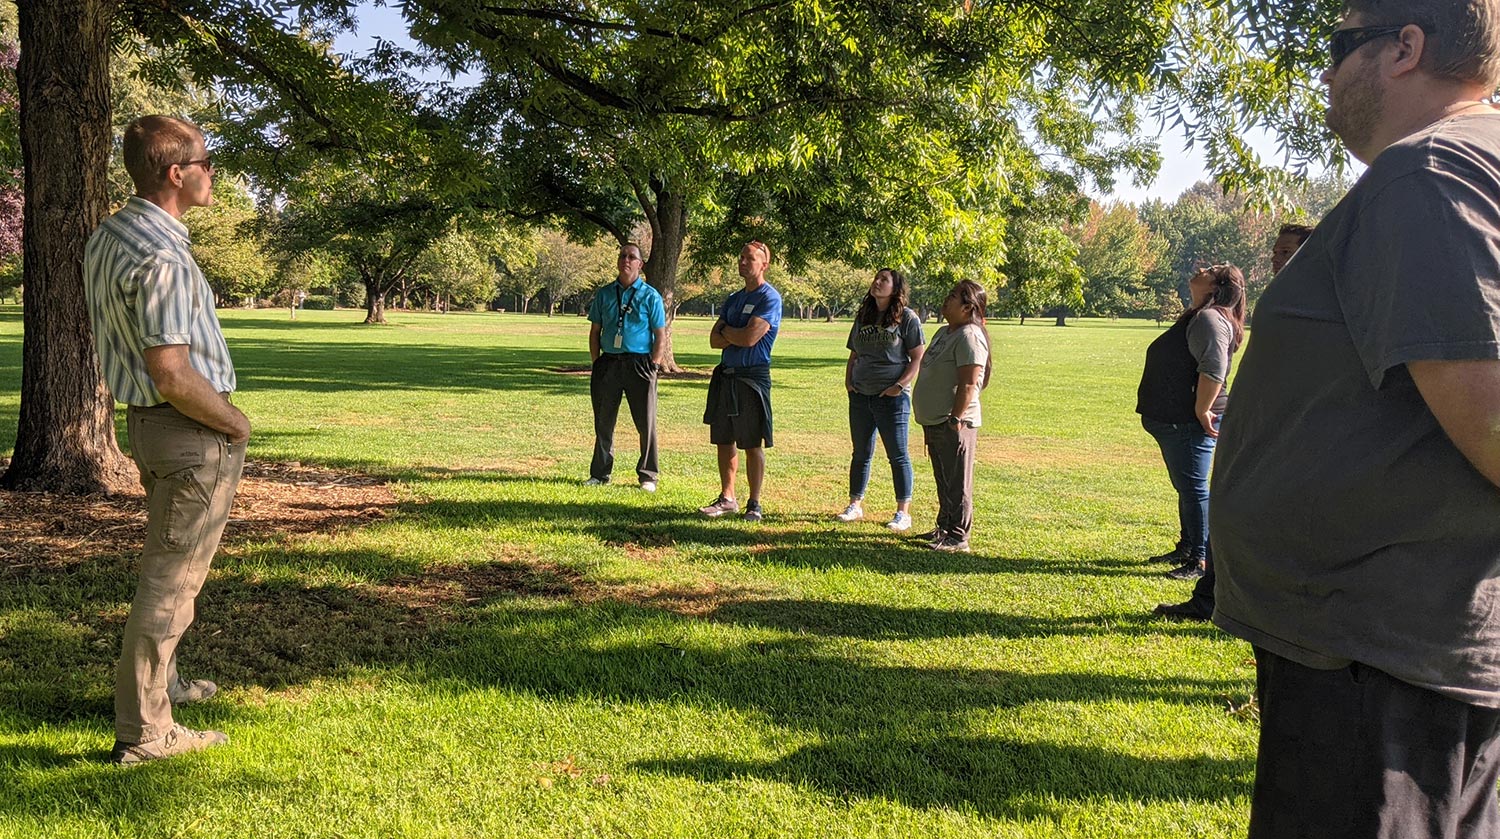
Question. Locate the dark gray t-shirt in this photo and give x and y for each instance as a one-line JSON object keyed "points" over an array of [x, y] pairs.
{"points": [[1346, 525], [881, 352]]}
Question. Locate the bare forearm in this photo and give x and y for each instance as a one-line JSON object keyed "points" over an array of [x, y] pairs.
{"points": [[1208, 392], [963, 397], [594, 342], [909, 375], [194, 397], [1465, 398], [659, 347], [716, 338]]}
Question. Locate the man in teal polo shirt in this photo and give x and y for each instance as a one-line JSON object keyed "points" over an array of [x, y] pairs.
{"points": [[627, 336]]}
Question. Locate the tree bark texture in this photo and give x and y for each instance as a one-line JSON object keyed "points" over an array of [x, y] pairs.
{"points": [[668, 219], [65, 438], [374, 302]]}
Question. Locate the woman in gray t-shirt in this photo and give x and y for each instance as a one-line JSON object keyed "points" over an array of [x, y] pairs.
{"points": [[885, 351], [955, 368]]}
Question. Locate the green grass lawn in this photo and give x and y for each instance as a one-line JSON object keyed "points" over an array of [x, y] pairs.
{"points": [[613, 665]]}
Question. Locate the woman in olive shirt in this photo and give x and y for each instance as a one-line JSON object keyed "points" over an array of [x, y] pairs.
{"points": [[945, 402]]}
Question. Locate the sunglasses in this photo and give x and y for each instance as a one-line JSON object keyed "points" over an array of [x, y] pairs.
{"points": [[206, 162], [1345, 41]]}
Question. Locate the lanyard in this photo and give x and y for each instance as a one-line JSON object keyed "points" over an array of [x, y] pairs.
{"points": [[623, 309]]}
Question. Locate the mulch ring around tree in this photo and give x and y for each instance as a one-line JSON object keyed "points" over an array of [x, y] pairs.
{"points": [[43, 529]]}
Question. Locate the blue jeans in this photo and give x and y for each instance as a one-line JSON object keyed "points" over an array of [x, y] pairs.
{"points": [[888, 415], [1188, 453]]}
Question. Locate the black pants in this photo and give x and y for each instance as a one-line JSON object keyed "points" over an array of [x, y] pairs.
{"points": [[630, 375], [1357, 754]]}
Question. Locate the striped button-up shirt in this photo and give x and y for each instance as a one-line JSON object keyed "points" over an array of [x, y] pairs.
{"points": [[145, 290]]}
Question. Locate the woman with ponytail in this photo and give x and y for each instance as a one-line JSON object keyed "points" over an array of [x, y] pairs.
{"points": [[945, 402], [1183, 392]]}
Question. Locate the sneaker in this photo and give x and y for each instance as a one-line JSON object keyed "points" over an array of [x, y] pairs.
{"points": [[752, 512], [720, 506], [178, 741], [900, 523], [1190, 570], [648, 486], [948, 544], [184, 692], [596, 482], [1180, 612], [930, 536], [1176, 556], [853, 512]]}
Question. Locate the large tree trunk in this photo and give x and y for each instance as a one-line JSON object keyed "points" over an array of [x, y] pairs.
{"points": [[668, 220], [65, 439], [374, 300]]}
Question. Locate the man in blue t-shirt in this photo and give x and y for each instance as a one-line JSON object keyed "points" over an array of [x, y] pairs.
{"points": [[627, 336], [739, 394]]}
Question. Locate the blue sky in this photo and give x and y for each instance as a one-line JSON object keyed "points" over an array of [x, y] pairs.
{"points": [[1180, 169]]}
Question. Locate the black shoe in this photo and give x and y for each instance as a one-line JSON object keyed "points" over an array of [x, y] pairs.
{"points": [[1176, 556], [1190, 570], [930, 536], [1181, 612]]}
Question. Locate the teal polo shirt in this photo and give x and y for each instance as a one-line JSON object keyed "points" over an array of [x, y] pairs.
{"points": [[631, 313]]}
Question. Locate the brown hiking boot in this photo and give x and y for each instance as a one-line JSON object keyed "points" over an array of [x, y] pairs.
{"points": [[184, 692], [178, 741]]}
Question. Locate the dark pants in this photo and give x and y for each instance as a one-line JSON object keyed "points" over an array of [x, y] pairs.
{"points": [[1356, 754], [889, 415], [1188, 453], [630, 375], [951, 448], [190, 473]]}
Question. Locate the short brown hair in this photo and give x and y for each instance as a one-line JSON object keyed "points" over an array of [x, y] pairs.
{"points": [[153, 144], [1463, 36], [1301, 231]]}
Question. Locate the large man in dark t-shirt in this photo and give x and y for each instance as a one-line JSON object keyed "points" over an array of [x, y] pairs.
{"points": [[1355, 509]]}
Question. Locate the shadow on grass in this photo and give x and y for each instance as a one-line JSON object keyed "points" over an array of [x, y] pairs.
{"points": [[276, 616], [996, 776], [878, 622], [885, 731]]}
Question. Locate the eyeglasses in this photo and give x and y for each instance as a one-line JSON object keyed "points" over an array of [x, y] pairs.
{"points": [[206, 162], [1345, 41], [625, 257]]}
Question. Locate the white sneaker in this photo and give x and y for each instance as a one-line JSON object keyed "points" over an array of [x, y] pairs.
{"points": [[648, 486], [900, 523], [853, 512], [596, 482]]}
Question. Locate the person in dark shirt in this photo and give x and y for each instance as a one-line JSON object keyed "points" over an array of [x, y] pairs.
{"points": [[1183, 391], [1356, 494]]}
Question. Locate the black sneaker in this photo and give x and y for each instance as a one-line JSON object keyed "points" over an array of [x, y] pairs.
{"points": [[930, 536], [1176, 556], [1181, 612], [719, 507], [752, 512], [948, 544], [1190, 570]]}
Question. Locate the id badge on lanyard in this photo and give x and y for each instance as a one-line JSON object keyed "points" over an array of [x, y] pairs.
{"points": [[623, 307]]}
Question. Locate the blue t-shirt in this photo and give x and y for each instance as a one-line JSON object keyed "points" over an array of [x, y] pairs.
{"points": [[763, 303], [643, 313]]}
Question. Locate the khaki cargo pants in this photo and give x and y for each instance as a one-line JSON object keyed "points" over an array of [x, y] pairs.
{"points": [[190, 473]]}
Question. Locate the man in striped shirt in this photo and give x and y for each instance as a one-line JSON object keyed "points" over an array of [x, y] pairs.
{"points": [[163, 355]]}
